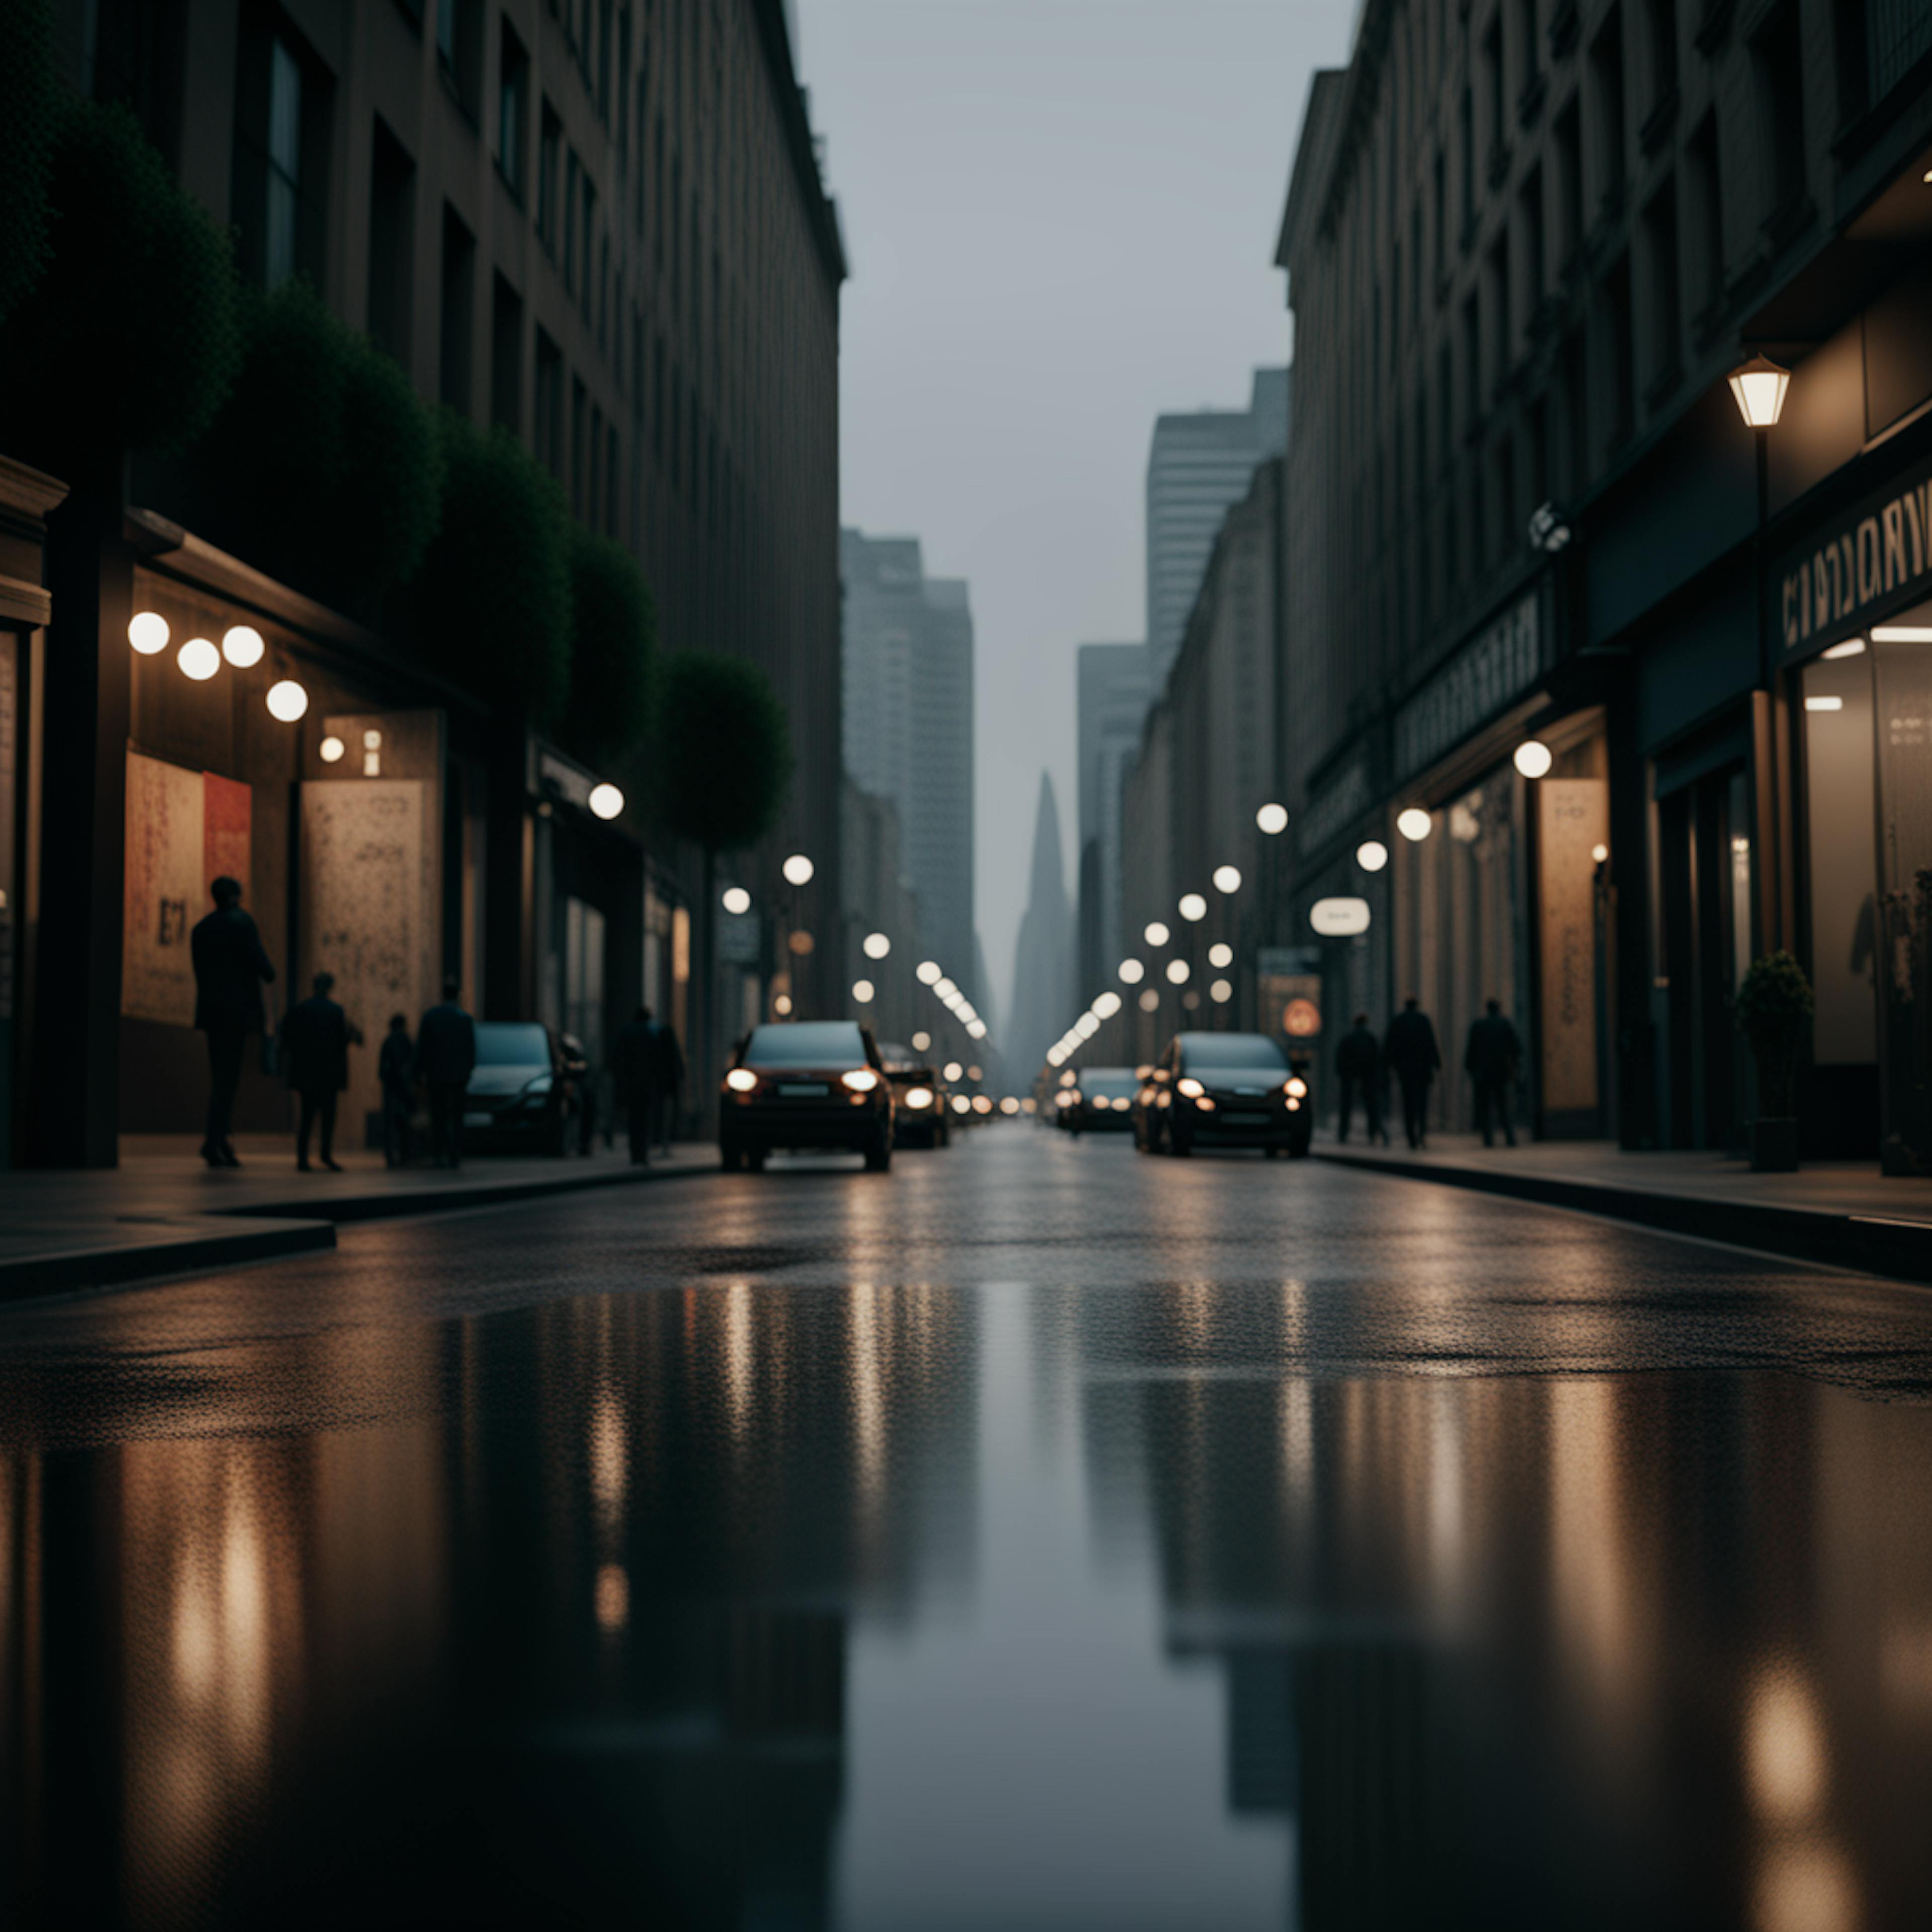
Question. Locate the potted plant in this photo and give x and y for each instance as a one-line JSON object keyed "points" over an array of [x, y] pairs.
{"points": [[1774, 1005]]}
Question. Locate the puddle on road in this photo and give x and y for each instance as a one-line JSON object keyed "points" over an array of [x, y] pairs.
{"points": [[898, 1608]]}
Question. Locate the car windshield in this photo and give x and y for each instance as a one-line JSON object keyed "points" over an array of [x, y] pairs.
{"points": [[1214, 1052], [807, 1043], [499, 1043], [1111, 1080]]}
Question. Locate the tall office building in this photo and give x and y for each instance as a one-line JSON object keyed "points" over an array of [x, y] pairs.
{"points": [[1199, 468], [908, 726], [1116, 686], [1043, 992]]}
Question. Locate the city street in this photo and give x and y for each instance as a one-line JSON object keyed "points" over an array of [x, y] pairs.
{"points": [[1036, 1536]]}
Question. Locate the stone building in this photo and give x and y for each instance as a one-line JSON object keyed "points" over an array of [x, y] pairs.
{"points": [[1526, 241]]}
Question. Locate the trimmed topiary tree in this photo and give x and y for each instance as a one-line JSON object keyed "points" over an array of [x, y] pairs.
{"points": [[129, 340], [1774, 1007], [489, 606], [613, 640], [28, 114], [323, 468]]}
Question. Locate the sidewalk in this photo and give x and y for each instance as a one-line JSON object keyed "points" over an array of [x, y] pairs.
{"points": [[1844, 1212], [163, 1211]]}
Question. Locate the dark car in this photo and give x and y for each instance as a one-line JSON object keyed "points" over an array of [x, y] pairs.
{"points": [[1103, 1102], [805, 1084], [520, 1091], [920, 1116], [1224, 1090]]}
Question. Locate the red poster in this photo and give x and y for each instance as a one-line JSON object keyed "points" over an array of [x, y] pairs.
{"points": [[227, 807]]}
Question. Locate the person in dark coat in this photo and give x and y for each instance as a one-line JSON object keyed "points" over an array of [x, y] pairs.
{"points": [[1358, 1065], [634, 1065], [230, 969], [316, 1036], [395, 1067], [1414, 1058], [669, 1083], [446, 1058], [1491, 1059]]}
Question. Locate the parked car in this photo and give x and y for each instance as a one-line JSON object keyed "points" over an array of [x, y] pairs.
{"points": [[1224, 1090], [1103, 1101], [920, 1116], [521, 1091], [805, 1084]]}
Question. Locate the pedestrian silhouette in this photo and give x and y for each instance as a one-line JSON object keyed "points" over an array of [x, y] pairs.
{"points": [[634, 1065], [1491, 1059], [316, 1036], [1413, 1057], [1358, 1065], [670, 1082], [395, 1067], [230, 969], [446, 1058]]}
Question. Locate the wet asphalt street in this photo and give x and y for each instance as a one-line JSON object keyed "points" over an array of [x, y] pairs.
{"points": [[1037, 1536]]}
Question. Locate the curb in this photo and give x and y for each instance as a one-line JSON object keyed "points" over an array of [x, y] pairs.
{"points": [[394, 1205], [1902, 1249], [73, 1268]]}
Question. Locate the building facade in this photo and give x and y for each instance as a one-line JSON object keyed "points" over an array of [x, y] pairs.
{"points": [[601, 229], [1526, 243], [1115, 687], [908, 728], [1197, 468]]}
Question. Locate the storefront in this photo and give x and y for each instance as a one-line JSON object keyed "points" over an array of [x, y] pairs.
{"points": [[1852, 608]]}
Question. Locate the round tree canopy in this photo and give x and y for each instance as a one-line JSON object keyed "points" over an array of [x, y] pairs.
{"points": [[613, 633], [724, 750]]}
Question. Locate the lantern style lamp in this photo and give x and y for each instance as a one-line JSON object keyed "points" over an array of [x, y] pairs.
{"points": [[1759, 386]]}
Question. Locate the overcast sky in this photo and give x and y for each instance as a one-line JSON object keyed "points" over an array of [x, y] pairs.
{"points": [[1061, 217]]}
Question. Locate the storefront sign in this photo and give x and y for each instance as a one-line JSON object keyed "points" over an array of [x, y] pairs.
{"points": [[1882, 548], [1483, 678], [1573, 817], [1339, 919]]}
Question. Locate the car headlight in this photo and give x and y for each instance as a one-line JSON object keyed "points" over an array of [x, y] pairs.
{"points": [[1293, 1105], [1296, 1087], [741, 1080], [919, 1096], [861, 1079], [1191, 1088]]}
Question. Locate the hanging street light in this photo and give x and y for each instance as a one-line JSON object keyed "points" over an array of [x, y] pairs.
{"points": [[1273, 820], [1414, 824], [798, 870], [1533, 758], [1758, 387], [1371, 855]]}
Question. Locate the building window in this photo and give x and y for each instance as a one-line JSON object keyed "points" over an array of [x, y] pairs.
{"points": [[459, 51], [1706, 206], [1621, 363], [459, 279], [1569, 184], [513, 94], [392, 199], [1606, 78], [1534, 270], [1493, 86], [593, 512], [623, 86], [549, 398], [138, 52], [570, 172], [281, 157], [549, 142], [1468, 125], [1503, 329], [604, 27], [586, 294], [580, 403], [506, 357], [1780, 62], [1663, 24], [1659, 228]]}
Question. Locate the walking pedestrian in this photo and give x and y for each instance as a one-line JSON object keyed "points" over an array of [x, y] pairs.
{"points": [[316, 1036], [1358, 1065], [634, 1065], [1492, 1059], [446, 1058], [395, 1067], [1414, 1057], [669, 1085], [229, 970]]}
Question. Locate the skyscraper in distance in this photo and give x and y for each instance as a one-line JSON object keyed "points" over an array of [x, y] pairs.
{"points": [[1043, 957], [1199, 467], [908, 727]]}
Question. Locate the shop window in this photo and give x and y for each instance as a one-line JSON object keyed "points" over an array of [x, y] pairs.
{"points": [[281, 156], [513, 110], [392, 221], [506, 357], [458, 324]]}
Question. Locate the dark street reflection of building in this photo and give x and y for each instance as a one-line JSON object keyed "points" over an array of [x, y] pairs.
{"points": [[1540, 1651], [554, 1623]]}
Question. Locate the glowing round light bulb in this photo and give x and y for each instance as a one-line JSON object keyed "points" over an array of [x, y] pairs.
{"points": [[606, 801], [287, 701], [242, 646], [798, 870], [735, 900], [1221, 954], [1414, 824], [332, 749], [1192, 906], [199, 659], [1177, 972], [1227, 878], [1157, 934], [148, 632], [1221, 992], [863, 991], [1132, 972], [928, 973], [1272, 819], [1371, 855], [876, 946], [1533, 758]]}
